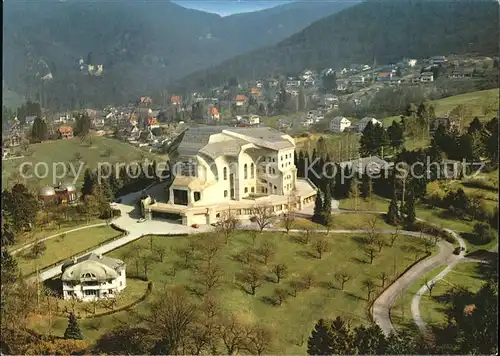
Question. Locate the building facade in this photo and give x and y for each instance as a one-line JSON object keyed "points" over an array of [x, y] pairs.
{"points": [[339, 124], [219, 168], [93, 277]]}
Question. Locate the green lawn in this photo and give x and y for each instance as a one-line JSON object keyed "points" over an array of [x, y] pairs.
{"points": [[347, 221], [474, 100], [294, 319], [465, 275], [60, 248], [377, 203], [64, 151], [49, 230], [135, 289], [401, 310]]}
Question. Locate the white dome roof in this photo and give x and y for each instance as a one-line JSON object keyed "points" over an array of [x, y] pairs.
{"points": [[47, 191]]}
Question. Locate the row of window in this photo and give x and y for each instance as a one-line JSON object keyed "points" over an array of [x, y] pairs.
{"points": [[245, 171]]}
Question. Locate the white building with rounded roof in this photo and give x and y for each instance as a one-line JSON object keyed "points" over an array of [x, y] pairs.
{"points": [[93, 277]]}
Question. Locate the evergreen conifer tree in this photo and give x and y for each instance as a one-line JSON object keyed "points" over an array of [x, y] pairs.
{"points": [[318, 208], [88, 183], [327, 206], [410, 210], [321, 339], [393, 216], [73, 331]]}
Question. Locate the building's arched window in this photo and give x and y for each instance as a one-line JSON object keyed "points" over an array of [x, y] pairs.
{"points": [[225, 194], [225, 173], [252, 170], [245, 171]]}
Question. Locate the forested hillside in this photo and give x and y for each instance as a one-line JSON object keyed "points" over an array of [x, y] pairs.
{"points": [[141, 44], [381, 30]]}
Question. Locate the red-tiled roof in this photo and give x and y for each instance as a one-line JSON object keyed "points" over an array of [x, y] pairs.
{"points": [[241, 97]]}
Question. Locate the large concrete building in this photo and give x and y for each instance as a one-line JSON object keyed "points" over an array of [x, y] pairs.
{"points": [[219, 168]]}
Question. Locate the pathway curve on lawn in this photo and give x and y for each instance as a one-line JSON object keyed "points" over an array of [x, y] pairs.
{"points": [[415, 303], [128, 221], [381, 308], [17, 250]]}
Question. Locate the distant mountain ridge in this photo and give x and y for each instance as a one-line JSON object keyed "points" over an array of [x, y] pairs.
{"points": [[385, 30], [142, 45]]}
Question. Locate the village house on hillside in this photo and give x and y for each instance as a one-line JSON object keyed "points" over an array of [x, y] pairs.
{"points": [[339, 124], [92, 277], [240, 100], [220, 168], [65, 132]]}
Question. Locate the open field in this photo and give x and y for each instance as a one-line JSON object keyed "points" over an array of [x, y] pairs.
{"points": [[476, 101], [60, 247], [348, 221], [66, 151], [48, 230], [297, 315]]}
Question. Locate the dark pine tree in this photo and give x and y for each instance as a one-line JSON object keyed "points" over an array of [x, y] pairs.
{"points": [[327, 205], [410, 210], [366, 185], [318, 208], [393, 216], [321, 339], [88, 183], [73, 331]]}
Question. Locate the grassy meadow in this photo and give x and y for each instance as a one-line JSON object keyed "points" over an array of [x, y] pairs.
{"points": [[72, 151], [294, 319]]}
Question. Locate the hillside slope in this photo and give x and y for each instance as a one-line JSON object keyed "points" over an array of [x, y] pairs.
{"points": [[385, 30], [141, 44]]}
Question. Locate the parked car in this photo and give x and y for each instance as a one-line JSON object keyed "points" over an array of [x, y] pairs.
{"points": [[141, 220], [195, 226]]}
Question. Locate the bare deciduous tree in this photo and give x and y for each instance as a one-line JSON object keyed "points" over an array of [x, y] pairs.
{"points": [[267, 250], [281, 295], [160, 252], [383, 277], [429, 284], [370, 288], [263, 215], [253, 276], [296, 286], [305, 237], [372, 230], [280, 270], [379, 242], [370, 252], [210, 275], [289, 215], [228, 222], [247, 255], [259, 340], [321, 246], [170, 316], [394, 236], [342, 278], [233, 334], [209, 249], [308, 280]]}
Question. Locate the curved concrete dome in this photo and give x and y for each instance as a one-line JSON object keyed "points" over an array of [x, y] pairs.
{"points": [[47, 192], [69, 187], [90, 270]]}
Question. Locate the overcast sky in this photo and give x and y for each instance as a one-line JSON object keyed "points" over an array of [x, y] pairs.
{"points": [[228, 7]]}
